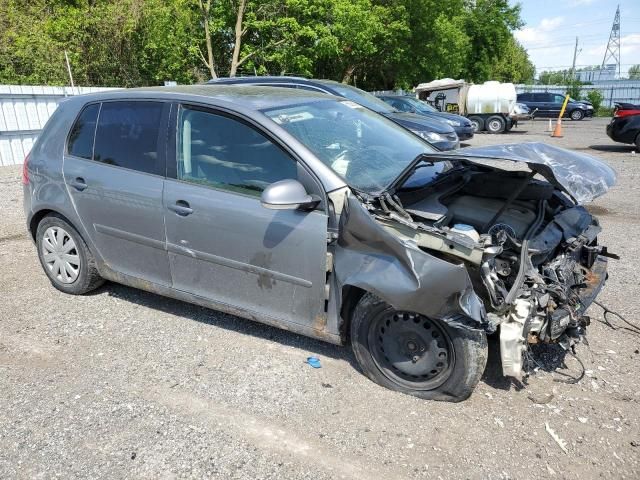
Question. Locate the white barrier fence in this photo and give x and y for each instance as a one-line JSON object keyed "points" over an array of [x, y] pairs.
{"points": [[23, 112]]}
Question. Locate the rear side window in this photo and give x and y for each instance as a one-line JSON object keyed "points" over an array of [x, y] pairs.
{"points": [[524, 97], [127, 136], [81, 136]]}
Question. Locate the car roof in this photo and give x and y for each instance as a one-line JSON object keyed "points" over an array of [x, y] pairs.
{"points": [[273, 79], [248, 96]]}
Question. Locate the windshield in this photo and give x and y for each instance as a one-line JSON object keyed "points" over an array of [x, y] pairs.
{"points": [[420, 106], [363, 98], [364, 148]]}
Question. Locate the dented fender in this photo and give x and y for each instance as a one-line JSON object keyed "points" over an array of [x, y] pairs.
{"points": [[400, 273]]}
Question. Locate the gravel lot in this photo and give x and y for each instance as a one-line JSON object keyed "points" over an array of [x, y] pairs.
{"points": [[126, 384]]}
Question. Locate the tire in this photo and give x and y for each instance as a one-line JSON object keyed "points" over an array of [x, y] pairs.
{"points": [[438, 362], [80, 275], [577, 115], [477, 123], [495, 124], [637, 142]]}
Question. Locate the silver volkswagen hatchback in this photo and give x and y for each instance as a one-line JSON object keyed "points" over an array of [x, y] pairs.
{"points": [[311, 213]]}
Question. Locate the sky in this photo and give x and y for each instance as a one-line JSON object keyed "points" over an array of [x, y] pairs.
{"points": [[551, 27]]}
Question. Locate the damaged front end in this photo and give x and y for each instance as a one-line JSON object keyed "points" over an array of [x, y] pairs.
{"points": [[500, 228]]}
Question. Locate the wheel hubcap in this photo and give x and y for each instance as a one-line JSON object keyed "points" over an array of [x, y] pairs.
{"points": [[412, 350], [60, 255]]}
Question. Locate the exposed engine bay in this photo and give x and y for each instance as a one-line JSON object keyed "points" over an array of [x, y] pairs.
{"points": [[530, 250]]}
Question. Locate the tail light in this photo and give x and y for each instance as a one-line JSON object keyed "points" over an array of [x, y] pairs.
{"points": [[25, 171], [625, 113]]}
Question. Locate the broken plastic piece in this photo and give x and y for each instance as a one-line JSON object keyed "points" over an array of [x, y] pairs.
{"points": [[561, 443], [314, 362]]}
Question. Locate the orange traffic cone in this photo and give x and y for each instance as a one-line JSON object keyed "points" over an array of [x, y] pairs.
{"points": [[557, 132]]}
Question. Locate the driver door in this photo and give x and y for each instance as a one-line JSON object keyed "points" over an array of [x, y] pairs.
{"points": [[223, 244]]}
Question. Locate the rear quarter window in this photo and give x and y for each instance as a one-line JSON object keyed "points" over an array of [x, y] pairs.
{"points": [[127, 135], [80, 142]]}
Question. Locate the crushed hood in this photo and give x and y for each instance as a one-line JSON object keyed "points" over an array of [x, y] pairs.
{"points": [[581, 176]]}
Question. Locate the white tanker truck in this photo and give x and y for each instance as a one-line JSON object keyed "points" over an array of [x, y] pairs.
{"points": [[490, 106]]}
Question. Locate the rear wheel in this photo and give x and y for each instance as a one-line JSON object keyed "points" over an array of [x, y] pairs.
{"points": [[638, 143], [65, 258], [577, 115], [496, 124], [414, 354], [477, 123]]}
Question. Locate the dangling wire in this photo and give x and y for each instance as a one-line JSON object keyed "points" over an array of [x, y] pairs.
{"points": [[634, 328], [572, 380]]}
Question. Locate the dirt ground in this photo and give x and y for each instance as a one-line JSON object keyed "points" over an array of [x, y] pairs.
{"points": [[126, 384]]}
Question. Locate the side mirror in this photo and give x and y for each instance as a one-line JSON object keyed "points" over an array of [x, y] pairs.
{"points": [[288, 195]]}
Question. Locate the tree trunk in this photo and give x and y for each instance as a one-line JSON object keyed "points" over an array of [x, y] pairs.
{"points": [[238, 43], [205, 9], [348, 73]]}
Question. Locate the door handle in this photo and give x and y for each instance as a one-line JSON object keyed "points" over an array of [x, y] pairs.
{"points": [[181, 208], [78, 183]]}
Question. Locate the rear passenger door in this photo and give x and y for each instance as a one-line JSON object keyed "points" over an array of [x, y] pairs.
{"points": [[223, 244], [544, 101], [116, 183], [558, 100]]}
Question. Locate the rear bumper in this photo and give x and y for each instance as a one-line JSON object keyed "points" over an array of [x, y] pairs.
{"points": [[621, 130]]}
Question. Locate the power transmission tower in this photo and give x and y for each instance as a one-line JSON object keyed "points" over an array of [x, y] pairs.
{"points": [[613, 47]]}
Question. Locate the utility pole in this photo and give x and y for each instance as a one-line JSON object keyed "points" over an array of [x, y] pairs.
{"points": [[573, 66]]}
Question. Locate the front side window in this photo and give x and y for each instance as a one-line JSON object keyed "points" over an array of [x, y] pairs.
{"points": [[220, 152], [81, 135], [127, 135]]}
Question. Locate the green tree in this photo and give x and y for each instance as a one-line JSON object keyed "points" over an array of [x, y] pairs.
{"points": [[514, 64], [557, 77], [489, 25], [372, 43], [596, 98], [634, 72]]}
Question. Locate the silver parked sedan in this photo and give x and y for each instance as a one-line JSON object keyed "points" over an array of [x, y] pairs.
{"points": [[314, 214]]}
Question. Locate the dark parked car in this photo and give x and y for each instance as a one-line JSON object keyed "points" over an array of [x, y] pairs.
{"points": [[314, 214], [550, 104], [404, 103], [436, 132], [625, 124]]}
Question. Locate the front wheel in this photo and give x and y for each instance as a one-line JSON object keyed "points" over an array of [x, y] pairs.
{"points": [[414, 354], [577, 115]]}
